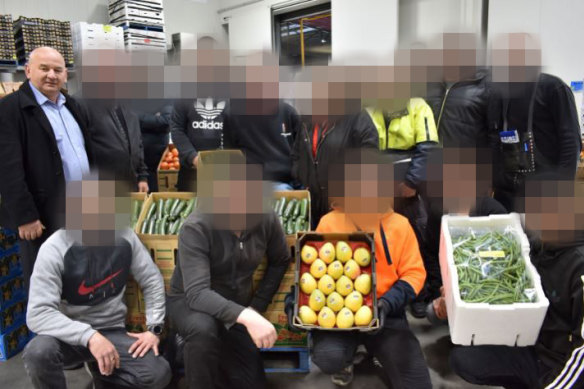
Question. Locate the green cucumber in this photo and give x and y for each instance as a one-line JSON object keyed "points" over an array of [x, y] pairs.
{"points": [[151, 210], [163, 224], [157, 226], [173, 229], [159, 209], [174, 206], [151, 225], [167, 205], [304, 208], [187, 211], [296, 211], [290, 227], [282, 207], [290, 208], [144, 226], [178, 209], [298, 224]]}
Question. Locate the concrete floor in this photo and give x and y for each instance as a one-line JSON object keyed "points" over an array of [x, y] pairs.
{"points": [[434, 340]]}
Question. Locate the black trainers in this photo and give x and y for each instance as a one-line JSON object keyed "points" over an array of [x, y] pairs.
{"points": [[418, 309], [344, 377]]}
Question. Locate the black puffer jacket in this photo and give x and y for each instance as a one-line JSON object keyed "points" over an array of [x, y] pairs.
{"points": [[355, 131], [460, 110]]}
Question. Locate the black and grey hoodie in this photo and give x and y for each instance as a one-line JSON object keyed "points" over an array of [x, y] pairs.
{"points": [[76, 290]]}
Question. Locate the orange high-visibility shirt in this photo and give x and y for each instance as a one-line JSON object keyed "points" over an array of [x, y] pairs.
{"points": [[403, 247]]}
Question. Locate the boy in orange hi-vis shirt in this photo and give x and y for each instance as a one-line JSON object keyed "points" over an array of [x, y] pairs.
{"points": [[363, 188]]}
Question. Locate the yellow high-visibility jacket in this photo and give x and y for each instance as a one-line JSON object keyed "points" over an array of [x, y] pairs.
{"points": [[407, 128], [411, 131]]}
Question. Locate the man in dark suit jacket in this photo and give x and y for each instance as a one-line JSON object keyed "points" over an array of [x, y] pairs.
{"points": [[43, 143]]}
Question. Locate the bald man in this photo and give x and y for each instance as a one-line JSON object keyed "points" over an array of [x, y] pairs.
{"points": [[43, 144]]}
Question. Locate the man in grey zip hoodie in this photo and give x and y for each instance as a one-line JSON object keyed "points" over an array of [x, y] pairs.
{"points": [[76, 298], [211, 302]]}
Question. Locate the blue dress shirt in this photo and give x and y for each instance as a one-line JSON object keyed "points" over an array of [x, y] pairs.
{"points": [[68, 134]]}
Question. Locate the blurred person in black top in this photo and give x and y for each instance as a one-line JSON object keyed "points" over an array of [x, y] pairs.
{"points": [[458, 91], [262, 125], [324, 135], [155, 127], [533, 121], [198, 118], [554, 225], [459, 183], [117, 143]]}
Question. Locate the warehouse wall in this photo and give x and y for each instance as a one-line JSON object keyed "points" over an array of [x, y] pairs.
{"points": [[364, 32], [423, 20]]}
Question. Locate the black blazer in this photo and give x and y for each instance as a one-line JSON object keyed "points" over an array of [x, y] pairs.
{"points": [[32, 181]]}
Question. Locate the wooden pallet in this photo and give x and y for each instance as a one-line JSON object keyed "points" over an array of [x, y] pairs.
{"points": [[286, 359]]}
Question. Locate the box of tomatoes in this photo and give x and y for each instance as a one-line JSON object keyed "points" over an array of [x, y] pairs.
{"points": [[335, 282], [168, 168]]}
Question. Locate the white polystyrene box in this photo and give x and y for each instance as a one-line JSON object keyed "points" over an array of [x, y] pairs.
{"points": [[480, 323]]}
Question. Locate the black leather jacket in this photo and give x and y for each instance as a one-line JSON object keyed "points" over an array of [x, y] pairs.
{"points": [[460, 110]]}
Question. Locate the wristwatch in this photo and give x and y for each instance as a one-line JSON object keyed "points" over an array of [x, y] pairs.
{"points": [[156, 329]]}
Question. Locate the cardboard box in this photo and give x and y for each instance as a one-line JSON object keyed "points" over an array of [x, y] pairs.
{"points": [[285, 337], [11, 291], [12, 316], [355, 239], [153, 198], [136, 196], [515, 324], [167, 179], [12, 342], [10, 265]]}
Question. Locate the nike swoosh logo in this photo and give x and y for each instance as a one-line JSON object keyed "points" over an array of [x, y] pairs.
{"points": [[85, 290]]}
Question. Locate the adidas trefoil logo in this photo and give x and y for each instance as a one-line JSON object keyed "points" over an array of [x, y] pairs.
{"points": [[209, 111]]}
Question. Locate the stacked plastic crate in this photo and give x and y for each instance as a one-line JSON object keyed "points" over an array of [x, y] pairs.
{"points": [[94, 36], [7, 51], [14, 334], [30, 33], [142, 21]]}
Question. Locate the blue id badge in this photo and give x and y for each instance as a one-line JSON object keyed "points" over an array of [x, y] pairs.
{"points": [[509, 137]]}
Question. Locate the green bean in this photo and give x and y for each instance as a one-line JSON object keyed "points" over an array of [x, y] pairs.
{"points": [[502, 279]]}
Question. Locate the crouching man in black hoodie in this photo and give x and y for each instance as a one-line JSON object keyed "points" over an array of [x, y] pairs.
{"points": [[554, 219], [211, 302]]}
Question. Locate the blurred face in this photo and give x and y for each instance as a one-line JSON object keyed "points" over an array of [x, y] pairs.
{"points": [[235, 196], [459, 187], [91, 205], [46, 71], [367, 189], [554, 212]]}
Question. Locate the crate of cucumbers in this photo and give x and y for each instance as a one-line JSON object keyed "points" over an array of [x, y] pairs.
{"points": [[164, 213], [493, 292], [335, 282], [293, 209]]}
